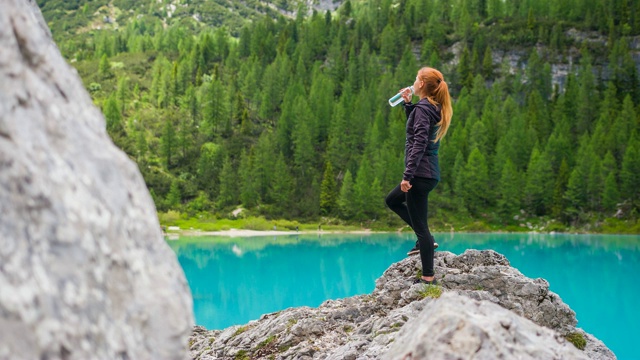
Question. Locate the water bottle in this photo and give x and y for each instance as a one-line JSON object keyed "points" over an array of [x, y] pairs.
{"points": [[397, 98]]}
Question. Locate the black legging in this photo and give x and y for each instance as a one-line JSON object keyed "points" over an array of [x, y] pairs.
{"points": [[413, 207]]}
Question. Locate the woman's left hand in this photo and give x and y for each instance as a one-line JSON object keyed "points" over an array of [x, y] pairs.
{"points": [[405, 186]]}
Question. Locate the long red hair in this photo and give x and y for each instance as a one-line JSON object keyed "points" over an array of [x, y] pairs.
{"points": [[436, 91]]}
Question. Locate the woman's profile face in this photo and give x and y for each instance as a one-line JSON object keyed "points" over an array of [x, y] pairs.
{"points": [[418, 84]]}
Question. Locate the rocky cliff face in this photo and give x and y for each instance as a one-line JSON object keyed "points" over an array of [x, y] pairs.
{"points": [[84, 270], [488, 310]]}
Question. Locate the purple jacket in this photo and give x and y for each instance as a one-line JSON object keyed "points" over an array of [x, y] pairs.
{"points": [[420, 152]]}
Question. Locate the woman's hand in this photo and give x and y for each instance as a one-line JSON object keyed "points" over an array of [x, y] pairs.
{"points": [[406, 95], [405, 186]]}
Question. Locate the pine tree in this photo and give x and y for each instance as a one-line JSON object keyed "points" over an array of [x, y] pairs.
{"points": [[367, 191], [337, 146], [622, 128], [174, 198], [458, 174], [610, 194], [487, 64], [209, 165], [630, 173], [475, 182], [328, 191], [346, 200], [104, 68], [111, 111], [575, 196], [559, 189], [588, 96], [141, 146], [228, 194], [264, 163], [463, 71], [168, 142], [389, 45], [539, 180], [123, 93], [595, 183], [216, 108], [303, 141], [248, 187], [281, 188], [509, 191]]}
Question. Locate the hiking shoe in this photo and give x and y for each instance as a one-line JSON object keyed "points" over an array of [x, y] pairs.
{"points": [[416, 249], [425, 282]]}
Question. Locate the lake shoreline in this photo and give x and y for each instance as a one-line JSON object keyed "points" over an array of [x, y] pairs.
{"points": [[252, 233], [232, 233]]}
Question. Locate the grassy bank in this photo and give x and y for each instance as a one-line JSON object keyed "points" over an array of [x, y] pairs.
{"points": [[443, 223]]}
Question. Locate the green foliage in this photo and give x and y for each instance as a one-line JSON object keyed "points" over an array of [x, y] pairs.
{"points": [[346, 200], [174, 197], [577, 339], [239, 331], [432, 291], [328, 191], [287, 116]]}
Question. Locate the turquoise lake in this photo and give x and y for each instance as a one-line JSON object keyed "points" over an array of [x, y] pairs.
{"points": [[235, 280]]}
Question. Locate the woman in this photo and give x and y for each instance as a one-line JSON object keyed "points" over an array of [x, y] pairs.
{"points": [[427, 123]]}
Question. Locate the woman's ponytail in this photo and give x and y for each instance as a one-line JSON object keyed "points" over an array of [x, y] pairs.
{"points": [[437, 92], [441, 95]]}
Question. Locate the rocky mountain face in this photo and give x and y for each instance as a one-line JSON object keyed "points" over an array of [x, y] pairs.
{"points": [[488, 310], [84, 270]]}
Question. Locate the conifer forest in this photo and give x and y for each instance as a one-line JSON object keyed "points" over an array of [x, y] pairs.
{"points": [[281, 107]]}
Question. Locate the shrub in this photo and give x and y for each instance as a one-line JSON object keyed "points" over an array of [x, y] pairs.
{"points": [[432, 291], [577, 339]]}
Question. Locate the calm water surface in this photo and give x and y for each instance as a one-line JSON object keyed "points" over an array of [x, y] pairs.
{"points": [[235, 280]]}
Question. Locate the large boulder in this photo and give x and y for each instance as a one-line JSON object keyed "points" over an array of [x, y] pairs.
{"points": [[457, 327], [488, 308], [84, 270]]}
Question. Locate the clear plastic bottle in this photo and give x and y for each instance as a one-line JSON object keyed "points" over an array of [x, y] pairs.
{"points": [[397, 98]]}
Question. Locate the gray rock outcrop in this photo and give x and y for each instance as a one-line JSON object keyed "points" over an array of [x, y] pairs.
{"points": [[488, 310], [457, 327], [84, 270]]}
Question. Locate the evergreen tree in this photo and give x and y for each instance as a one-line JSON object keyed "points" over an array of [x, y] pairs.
{"points": [[328, 191], [610, 194], [588, 96], [559, 189], [248, 187], [595, 183], [174, 198], [463, 71], [539, 180], [303, 143], [509, 192], [575, 196], [346, 200], [209, 165], [168, 142], [630, 173], [367, 191], [281, 188], [112, 114], [104, 68], [216, 108], [123, 93], [228, 194], [487, 64], [475, 182]]}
